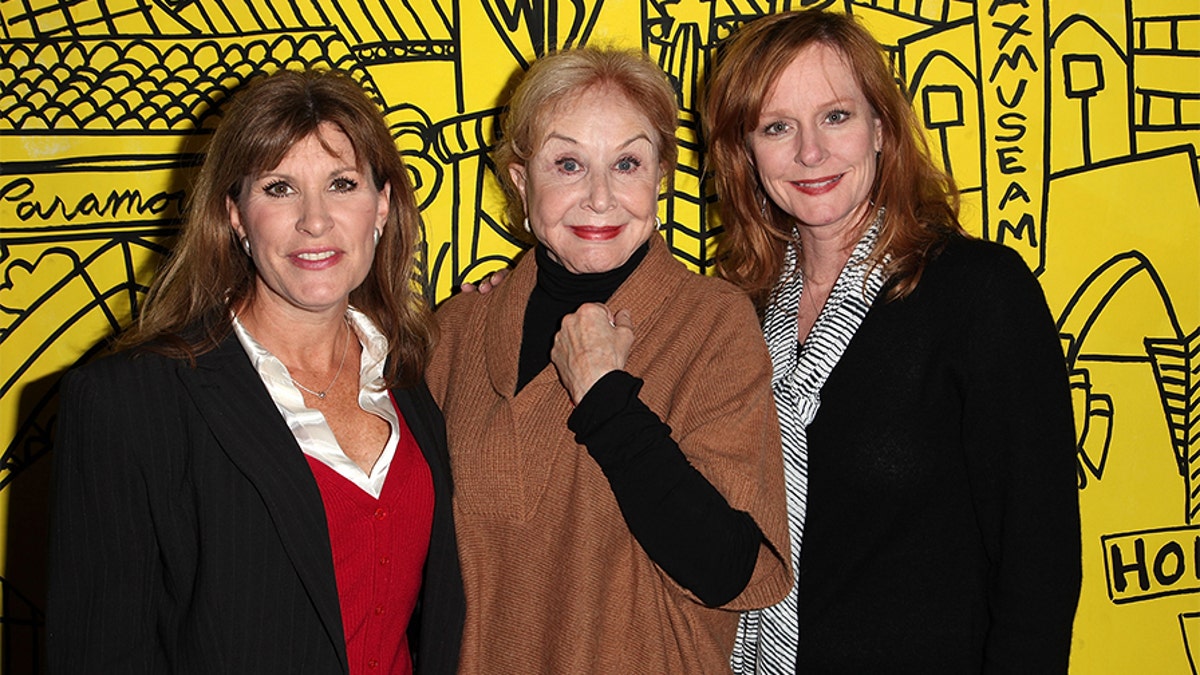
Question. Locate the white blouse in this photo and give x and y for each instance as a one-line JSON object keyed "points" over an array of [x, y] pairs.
{"points": [[308, 425]]}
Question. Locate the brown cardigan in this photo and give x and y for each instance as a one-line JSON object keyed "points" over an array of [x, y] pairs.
{"points": [[555, 582]]}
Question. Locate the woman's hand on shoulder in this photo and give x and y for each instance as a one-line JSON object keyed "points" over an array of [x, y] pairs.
{"points": [[485, 284], [591, 343]]}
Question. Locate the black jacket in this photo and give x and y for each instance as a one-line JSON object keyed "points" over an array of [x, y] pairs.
{"points": [[943, 518], [188, 533]]}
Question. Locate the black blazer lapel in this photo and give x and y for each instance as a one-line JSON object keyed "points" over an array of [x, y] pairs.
{"points": [[438, 622], [244, 420], [424, 419]]}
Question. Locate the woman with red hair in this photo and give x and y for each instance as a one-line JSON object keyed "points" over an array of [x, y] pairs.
{"points": [[928, 434]]}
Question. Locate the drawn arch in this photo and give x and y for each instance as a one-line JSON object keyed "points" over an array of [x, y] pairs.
{"points": [[109, 307], [80, 308], [946, 99], [1089, 315], [1090, 96], [1094, 314]]}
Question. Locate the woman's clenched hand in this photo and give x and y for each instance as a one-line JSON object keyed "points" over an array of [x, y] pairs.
{"points": [[591, 342]]}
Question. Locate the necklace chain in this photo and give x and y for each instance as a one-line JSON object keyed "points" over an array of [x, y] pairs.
{"points": [[809, 291], [345, 348]]}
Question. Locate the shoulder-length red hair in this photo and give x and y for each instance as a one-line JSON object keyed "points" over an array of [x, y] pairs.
{"points": [[921, 200]]}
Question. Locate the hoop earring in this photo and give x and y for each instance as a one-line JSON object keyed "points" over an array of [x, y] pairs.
{"points": [[657, 224], [246, 247]]}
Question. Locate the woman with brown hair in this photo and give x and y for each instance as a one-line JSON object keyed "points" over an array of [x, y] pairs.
{"points": [[257, 481], [922, 393]]}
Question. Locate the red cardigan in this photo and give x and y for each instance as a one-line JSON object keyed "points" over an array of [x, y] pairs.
{"points": [[379, 548]]}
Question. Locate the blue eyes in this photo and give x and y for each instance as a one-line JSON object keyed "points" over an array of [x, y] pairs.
{"points": [[775, 128], [623, 165], [778, 128]]}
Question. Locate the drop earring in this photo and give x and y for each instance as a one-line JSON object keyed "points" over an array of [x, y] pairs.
{"points": [[527, 227], [246, 247], [657, 223], [378, 234]]}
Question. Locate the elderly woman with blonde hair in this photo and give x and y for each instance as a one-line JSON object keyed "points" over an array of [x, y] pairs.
{"points": [[618, 480]]}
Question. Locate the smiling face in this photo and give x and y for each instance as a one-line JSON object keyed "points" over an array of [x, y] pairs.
{"points": [[816, 141], [591, 189], [311, 225]]}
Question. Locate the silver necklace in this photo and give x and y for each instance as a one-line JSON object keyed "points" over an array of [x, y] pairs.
{"points": [[345, 348]]}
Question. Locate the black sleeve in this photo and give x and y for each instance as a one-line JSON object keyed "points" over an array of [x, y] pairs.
{"points": [[103, 603], [1019, 437], [682, 522]]}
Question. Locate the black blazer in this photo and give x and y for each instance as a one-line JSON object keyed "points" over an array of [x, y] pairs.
{"points": [[188, 534]]}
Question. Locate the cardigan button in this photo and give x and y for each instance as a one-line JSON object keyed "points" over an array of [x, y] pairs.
{"points": [[380, 513], [372, 664], [378, 610]]}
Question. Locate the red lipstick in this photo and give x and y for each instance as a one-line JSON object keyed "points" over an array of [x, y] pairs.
{"points": [[596, 233], [818, 186], [316, 259]]}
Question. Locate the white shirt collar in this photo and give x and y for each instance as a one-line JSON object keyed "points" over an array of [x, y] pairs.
{"points": [[308, 425]]}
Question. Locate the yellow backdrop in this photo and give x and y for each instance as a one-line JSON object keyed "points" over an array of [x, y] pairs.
{"points": [[1072, 125]]}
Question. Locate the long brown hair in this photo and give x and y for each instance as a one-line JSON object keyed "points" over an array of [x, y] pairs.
{"points": [[554, 80], [187, 310], [921, 200]]}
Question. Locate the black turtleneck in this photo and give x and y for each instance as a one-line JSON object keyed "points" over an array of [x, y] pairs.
{"points": [[559, 292], [682, 522]]}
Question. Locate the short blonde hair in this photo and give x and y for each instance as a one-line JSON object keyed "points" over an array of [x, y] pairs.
{"points": [[554, 81]]}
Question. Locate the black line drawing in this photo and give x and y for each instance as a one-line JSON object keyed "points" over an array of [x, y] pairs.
{"points": [[1189, 626], [105, 106]]}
